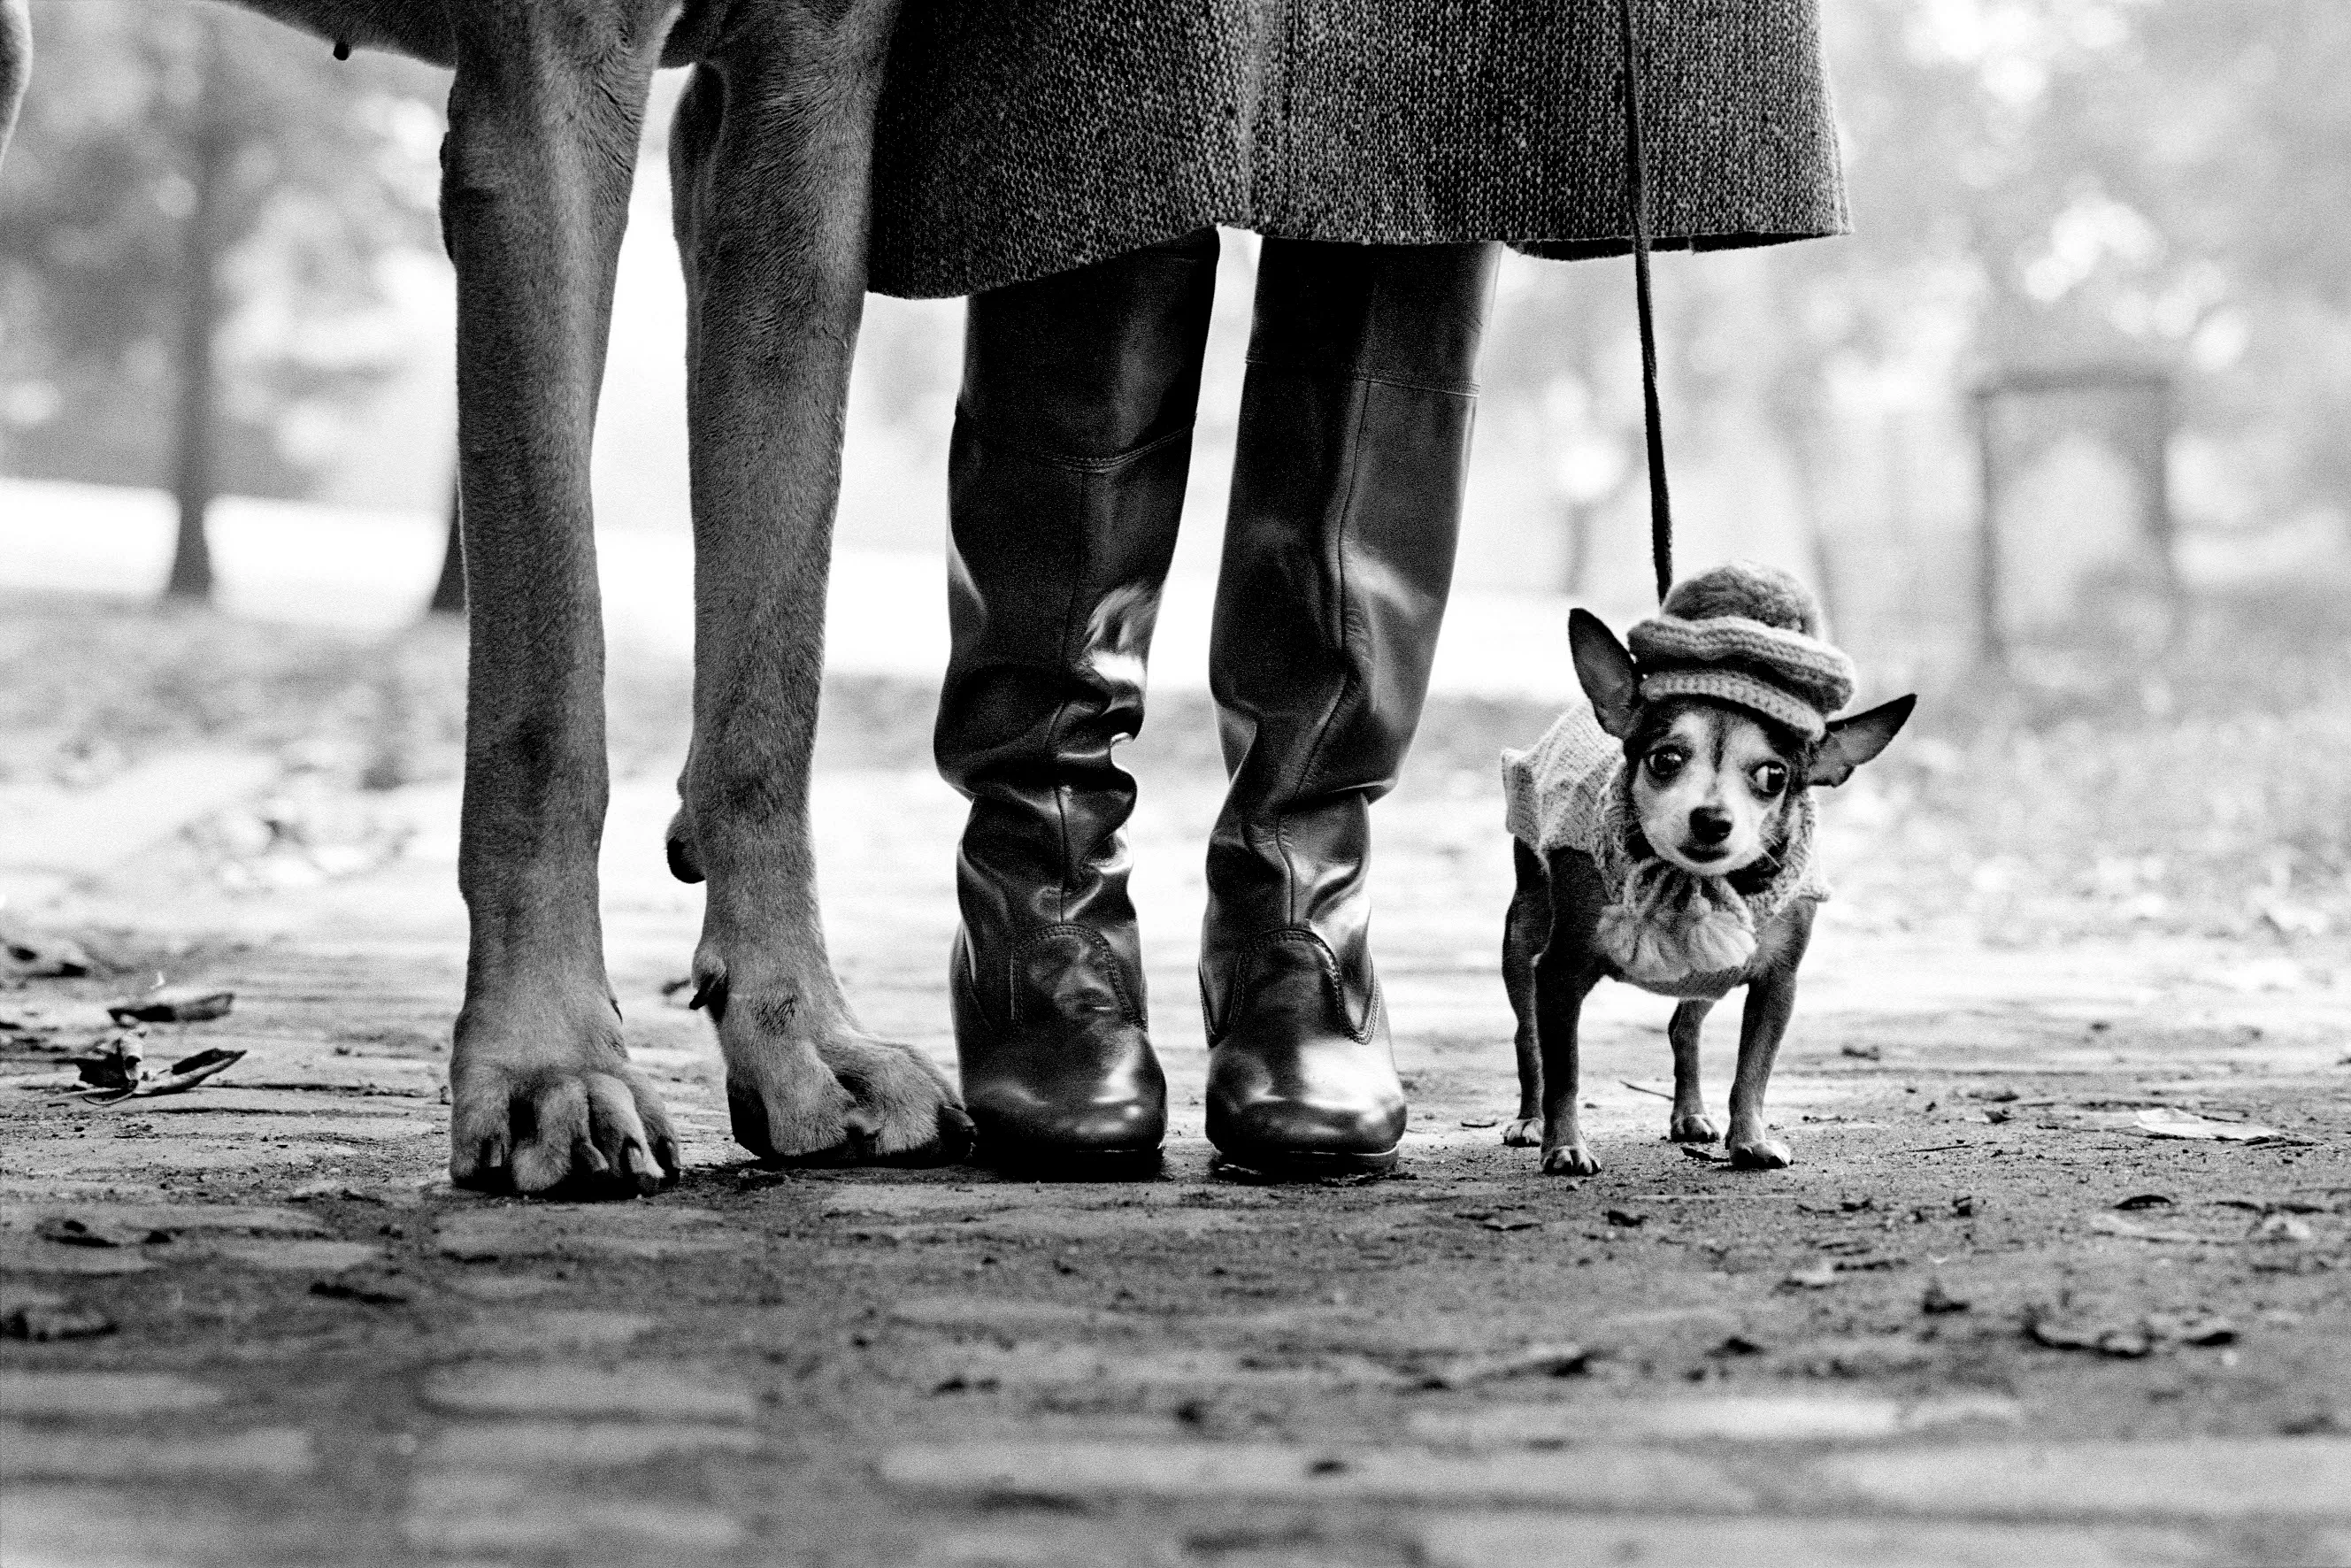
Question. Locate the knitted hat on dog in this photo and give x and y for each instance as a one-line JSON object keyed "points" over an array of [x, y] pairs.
{"points": [[1747, 634]]}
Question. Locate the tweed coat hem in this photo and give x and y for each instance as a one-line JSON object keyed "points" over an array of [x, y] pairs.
{"points": [[1020, 137]]}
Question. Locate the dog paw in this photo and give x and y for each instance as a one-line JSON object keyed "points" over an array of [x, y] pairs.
{"points": [[1525, 1133], [1691, 1127], [538, 1106], [836, 1098], [1570, 1159], [906, 1109], [1760, 1154]]}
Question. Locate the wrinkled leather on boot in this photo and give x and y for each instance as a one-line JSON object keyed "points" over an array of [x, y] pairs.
{"points": [[1066, 482], [1355, 421]]}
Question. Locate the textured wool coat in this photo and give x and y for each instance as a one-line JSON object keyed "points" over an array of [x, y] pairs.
{"points": [[1019, 138]]}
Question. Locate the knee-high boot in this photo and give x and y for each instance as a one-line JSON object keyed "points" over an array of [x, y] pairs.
{"points": [[1354, 437], [1073, 438]]}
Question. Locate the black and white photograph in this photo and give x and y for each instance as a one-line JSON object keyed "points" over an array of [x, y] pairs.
{"points": [[973, 783]]}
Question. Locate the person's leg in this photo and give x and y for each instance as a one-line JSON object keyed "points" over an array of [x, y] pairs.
{"points": [[1355, 440], [1073, 438]]}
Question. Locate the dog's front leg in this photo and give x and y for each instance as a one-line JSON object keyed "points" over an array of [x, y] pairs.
{"points": [[1771, 1003], [1689, 1123], [543, 121], [770, 154]]}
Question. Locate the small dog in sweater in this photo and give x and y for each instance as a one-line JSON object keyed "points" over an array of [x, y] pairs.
{"points": [[1663, 837]]}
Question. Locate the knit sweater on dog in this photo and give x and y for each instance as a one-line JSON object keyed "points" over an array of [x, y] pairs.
{"points": [[1669, 931]]}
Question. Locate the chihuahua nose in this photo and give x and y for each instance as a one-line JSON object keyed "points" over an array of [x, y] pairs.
{"points": [[1710, 824]]}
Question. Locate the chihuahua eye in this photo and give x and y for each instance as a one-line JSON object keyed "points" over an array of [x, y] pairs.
{"points": [[1770, 778], [1664, 762]]}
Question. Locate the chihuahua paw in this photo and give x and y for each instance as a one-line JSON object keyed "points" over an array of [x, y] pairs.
{"points": [[1761, 1155], [1690, 1127], [1570, 1159], [1524, 1133]]}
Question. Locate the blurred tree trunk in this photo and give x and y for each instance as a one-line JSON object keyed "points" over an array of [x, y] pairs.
{"points": [[1577, 523], [204, 236], [449, 593]]}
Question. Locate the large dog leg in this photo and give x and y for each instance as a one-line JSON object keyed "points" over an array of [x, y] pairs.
{"points": [[15, 63], [770, 153], [535, 172]]}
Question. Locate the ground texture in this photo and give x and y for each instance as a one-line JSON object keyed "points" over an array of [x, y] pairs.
{"points": [[1990, 1317]]}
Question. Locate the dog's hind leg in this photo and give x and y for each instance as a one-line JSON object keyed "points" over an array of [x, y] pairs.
{"points": [[771, 157], [543, 124], [1689, 1123], [1524, 931]]}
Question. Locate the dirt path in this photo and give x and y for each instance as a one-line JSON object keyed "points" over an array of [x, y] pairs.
{"points": [[319, 1353]]}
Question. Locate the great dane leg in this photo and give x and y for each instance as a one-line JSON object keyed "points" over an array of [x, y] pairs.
{"points": [[15, 63], [535, 172], [771, 152]]}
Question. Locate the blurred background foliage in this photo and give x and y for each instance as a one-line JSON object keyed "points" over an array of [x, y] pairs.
{"points": [[195, 223]]}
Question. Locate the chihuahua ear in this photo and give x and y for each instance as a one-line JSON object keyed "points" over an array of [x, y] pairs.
{"points": [[1606, 671], [1851, 742]]}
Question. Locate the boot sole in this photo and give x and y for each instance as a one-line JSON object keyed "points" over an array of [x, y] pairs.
{"points": [[1304, 1165]]}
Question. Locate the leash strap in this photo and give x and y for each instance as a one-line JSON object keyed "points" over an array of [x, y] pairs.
{"points": [[1661, 504]]}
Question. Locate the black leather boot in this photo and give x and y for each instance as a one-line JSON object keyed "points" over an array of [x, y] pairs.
{"points": [[1072, 443], [1355, 440]]}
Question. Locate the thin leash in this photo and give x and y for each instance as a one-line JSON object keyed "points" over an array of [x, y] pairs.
{"points": [[1661, 504]]}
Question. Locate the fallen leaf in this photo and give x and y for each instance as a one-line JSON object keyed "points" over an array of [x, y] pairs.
{"points": [[1481, 1121], [2145, 1200], [1698, 1152], [1508, 1222], [2167, 1123], [117, 1061], [2190, 1328], [316, 1191], [41, 1323], [376, 1294], [70, 1231], [2108, 1225], [1936, 1301], [1546, 1360], [172, 1004], [2127, 1341], [183, 1074], [2125, 1338], [39, 955]]}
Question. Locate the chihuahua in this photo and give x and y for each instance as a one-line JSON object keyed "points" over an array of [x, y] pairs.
{"points": [[1663, 839]]}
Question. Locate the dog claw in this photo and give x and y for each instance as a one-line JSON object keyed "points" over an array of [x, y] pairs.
{"points": [[1525, 1133], [532, 1110]]}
